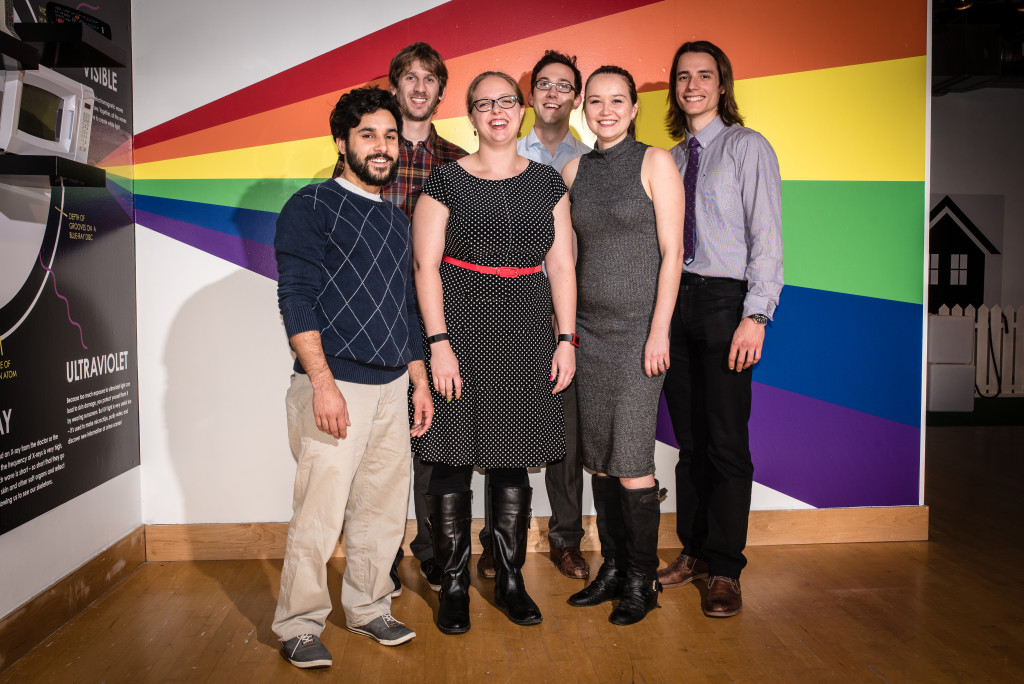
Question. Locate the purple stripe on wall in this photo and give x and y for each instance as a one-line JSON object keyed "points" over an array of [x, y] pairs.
{"points": [[664, 433], [826, 455], [254, 256]]}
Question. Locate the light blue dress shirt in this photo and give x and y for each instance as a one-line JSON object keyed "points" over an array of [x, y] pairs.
{"points": [[533, 149], [738, 212]]}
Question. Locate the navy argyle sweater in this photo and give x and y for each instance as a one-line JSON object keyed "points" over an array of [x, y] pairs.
{"points": [[344, 269]]}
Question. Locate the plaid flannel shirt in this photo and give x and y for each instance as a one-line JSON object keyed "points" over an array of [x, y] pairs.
{"points": [[415, 162]]}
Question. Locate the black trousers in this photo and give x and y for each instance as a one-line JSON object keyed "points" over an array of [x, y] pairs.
{"points": [[421, 545], [710, 406], [564, 482]]}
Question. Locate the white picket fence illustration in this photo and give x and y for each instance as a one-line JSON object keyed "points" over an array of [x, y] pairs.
{"points": [[998, 348]]}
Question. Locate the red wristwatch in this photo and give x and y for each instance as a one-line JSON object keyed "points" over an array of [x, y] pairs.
{"points": [[571, 338]]}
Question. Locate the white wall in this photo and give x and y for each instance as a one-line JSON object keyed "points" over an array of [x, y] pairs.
{"points": [[40, 552], [977, 149], [187, 53]]}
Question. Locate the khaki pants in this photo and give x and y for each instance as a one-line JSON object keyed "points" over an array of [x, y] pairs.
{"points": [[361, 481]]}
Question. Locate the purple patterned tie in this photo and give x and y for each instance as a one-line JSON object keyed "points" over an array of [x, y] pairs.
{"points": [[690, 188]]}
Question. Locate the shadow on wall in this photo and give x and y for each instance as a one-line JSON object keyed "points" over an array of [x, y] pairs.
{"points": [[227, 364]]}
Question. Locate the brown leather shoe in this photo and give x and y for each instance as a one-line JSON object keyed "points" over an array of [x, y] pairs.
{"points": [[570, 562], [485, 566], [723, 598], [683, 570]]}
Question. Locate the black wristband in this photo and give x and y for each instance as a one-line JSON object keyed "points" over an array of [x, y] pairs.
{"points": [[439, 337], [571, 338]]}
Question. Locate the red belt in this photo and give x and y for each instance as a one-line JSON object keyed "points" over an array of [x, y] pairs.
{"points": [[502, 271]]}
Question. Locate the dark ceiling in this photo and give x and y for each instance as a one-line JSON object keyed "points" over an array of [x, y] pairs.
{"points": [[977, 44]]}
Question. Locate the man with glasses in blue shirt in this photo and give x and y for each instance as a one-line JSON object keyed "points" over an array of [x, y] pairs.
{"points": [[556, 89]]}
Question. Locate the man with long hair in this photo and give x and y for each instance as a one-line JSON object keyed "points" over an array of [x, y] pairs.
{"points": [[732, 279]]}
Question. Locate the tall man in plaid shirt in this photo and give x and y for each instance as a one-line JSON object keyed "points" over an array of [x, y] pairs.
{"points": [[418, 78]]}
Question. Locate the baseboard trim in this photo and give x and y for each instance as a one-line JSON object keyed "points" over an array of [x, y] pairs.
{"points": [[30, 624], [235, 541]]}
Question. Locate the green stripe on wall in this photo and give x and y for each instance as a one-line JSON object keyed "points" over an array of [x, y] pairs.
{"points": [[125, 183], [856, 237], [261, 194]]}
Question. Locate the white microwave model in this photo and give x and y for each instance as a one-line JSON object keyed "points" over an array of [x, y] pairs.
{"points": [[43, 112]]}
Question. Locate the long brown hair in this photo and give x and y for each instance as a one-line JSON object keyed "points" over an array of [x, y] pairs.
{"points": [[727, 107]]}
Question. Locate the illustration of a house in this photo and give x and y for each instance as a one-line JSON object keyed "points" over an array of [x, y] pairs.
{"points": [[956, 268]]}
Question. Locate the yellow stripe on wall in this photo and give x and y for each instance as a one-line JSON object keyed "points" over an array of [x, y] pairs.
{"points": [[459, 131], [310, 158], [862, 122]]}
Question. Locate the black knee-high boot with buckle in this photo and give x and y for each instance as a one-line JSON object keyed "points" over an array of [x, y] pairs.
{"points": [[510, 521], [607, 586], [641, 513], [449, 519]]}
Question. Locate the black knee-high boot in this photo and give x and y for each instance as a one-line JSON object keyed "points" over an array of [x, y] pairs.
{"points": [[510, 520], [612, 535], [641, 513], [449, 519]]}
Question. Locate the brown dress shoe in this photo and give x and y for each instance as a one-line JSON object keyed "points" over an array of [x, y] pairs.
{"points": [[485, 566], [723, 598], [570, 562], [683, 570]]}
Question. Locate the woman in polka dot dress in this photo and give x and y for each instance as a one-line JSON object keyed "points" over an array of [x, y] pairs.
{"points": [[482, 228]]}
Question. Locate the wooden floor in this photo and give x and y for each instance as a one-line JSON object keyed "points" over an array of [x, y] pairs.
{"points": [[937, 611]]}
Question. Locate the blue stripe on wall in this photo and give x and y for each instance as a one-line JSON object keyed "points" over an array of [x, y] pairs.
{"points": [[859, 352], [257, 226]]}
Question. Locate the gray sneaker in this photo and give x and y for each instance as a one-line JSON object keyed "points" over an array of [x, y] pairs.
{"points": [[384, 629], [307, 652]]}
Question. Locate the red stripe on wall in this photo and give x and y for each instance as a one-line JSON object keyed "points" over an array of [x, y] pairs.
{"points": [[771, 39], [455, 28]]}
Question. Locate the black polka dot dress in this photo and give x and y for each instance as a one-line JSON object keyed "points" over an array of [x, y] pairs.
{"points": [[500, 328]]}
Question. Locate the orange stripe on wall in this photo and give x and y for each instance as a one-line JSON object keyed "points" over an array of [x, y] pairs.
{"points": [[297, 121], [760, 38]]}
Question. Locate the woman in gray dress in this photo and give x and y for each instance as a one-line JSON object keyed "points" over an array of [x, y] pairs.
{"points": [[627, 210]]}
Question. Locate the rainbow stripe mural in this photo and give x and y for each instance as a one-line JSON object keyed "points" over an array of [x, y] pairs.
{"points": [[841, 96]]}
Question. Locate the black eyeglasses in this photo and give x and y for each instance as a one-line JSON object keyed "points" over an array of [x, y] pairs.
{"points": [[561, 86], [487, 104]]}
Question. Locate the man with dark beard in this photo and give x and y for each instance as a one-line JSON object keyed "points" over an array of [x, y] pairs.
{"points": [[345, 294]]}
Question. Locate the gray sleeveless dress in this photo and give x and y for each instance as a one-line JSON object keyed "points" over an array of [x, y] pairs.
{"points": [[617, 280]]}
